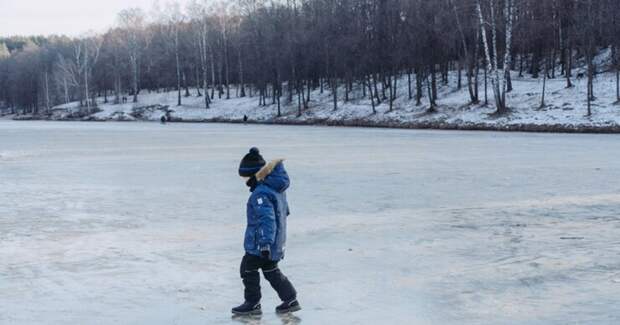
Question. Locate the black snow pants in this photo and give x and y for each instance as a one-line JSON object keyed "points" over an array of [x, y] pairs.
{"points": [[250, 265]]}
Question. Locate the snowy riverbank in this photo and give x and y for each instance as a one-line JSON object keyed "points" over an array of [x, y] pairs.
{"points": [[565, 109]]}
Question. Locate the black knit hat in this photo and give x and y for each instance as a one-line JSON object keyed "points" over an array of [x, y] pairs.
{"points": [[251, 163]]}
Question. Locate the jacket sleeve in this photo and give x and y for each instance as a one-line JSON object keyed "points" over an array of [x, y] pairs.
{"points": [[265, 213]]}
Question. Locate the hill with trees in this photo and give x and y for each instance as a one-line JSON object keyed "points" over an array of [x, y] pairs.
{"points": [[294, 60]]}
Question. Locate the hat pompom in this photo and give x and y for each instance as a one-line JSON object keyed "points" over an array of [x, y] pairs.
{"points": [[254, 151]]}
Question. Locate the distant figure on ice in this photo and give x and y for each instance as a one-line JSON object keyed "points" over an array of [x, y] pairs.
{"points": [[265, 235], [163, 119], [245, 119]]}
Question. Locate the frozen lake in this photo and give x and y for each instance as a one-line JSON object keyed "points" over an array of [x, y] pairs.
{"points": [[140, 223]]}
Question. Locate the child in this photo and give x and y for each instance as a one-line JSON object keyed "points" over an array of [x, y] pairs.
{"points": [[265, 235]]}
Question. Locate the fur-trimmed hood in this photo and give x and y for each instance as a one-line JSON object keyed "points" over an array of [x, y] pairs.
{"points": [[274, 175]]}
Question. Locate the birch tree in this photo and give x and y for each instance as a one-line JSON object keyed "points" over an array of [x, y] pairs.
{"points": [[498, 79], [132, 23], [197, 12]]}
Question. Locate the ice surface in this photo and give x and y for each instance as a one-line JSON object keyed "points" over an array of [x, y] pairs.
{"points": [[139, 223]]}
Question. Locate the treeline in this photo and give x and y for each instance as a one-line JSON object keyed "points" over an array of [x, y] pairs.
{"points": [[279, 51]]}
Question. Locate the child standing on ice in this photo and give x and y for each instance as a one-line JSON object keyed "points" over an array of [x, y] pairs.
{"points": [[265, 235]]}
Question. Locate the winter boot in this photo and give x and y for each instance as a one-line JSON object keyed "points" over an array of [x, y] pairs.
{"points": [[288, 307], [247, 308]]}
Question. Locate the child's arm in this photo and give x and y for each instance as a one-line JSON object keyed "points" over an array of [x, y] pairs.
{"points": [[266, 221]]}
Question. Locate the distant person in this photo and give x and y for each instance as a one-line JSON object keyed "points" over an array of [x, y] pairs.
{"points": [[265, 235], [163, 119], [245, 119]]}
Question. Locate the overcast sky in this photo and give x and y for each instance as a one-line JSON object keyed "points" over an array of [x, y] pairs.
{"points": [[71, 17]]}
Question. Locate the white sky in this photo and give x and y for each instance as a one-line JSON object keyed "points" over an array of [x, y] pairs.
{"points": [[70, 17]]}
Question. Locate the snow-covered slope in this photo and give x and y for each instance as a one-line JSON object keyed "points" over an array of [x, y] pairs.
{"points": [[565, 110]]}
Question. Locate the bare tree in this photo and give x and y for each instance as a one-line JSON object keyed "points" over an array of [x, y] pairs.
{"points": [[498, 80], [132, 24]]}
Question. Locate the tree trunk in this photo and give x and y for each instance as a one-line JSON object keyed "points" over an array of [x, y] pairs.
{"points": [[66, 90], [433, 83], [47, 93], [377, 97], [307, 101], [241, 76], [544, 89], [569, 67], [278, 96], [346, 89], [431, 99], [486, 86], [616, 60], [409, 84], [203, 62], [497, 80], [198, 92], [459, 83], [86, 91], [393, 86], [205, 85], [383, 86], [299, 94], [508, 82], [335, 92], [212, 74], [178, 64], [220, 82], [476, 67], [469, 61], [134, 68], [226, 65], [617, 85], [185, 84], [372, 99], [419, 87]]}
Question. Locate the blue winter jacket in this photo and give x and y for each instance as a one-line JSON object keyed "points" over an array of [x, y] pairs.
{"points": [[267, 211]]}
